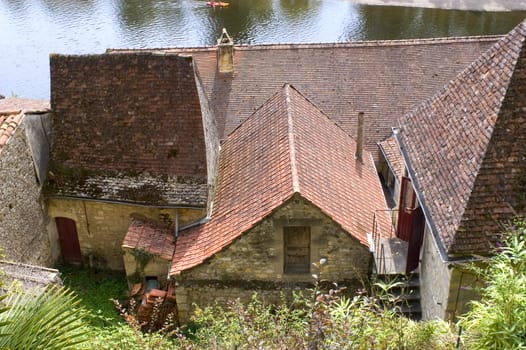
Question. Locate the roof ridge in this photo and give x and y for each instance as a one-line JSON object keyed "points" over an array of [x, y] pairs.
{"points": [[317, 45], [292, 147]]}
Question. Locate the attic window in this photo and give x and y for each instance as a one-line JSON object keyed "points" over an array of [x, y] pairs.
{"points": [[296, 249]]}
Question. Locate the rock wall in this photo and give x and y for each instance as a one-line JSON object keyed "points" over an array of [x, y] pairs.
{"points": [[255, 261], [101, 226], [23, 233]]}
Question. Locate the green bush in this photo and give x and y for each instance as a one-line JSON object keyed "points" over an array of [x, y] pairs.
{"points": [[498, 320], [319, 319]]}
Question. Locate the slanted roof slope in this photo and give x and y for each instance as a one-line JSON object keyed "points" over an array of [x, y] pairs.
{"points": [[150, 236], [128, 127], [12, 112], [287, 146], [466, 151], [391, 152], [383, 79]]}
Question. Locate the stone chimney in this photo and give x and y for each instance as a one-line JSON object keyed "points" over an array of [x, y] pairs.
{"points": [[225, 53], [359, 139]]}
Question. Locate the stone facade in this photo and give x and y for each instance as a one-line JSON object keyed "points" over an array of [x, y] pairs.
{"points": [[211, 137], [23, 233], [255, 261], [154, 266], [434, 279], [446, 287], [101, 226]]}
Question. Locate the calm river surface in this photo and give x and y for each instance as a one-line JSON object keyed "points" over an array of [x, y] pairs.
{"points": [[32, 29]]}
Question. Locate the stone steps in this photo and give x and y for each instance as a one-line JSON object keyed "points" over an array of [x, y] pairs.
{"points": [[404, 295]]}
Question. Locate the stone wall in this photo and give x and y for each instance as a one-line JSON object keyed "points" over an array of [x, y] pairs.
{"points": [[211, 137], [462, 289], [255, 261], [23, 233], [101, 226], [435, 279], [446, 288], [155, 267]]}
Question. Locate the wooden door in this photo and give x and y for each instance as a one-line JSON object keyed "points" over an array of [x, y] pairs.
{"points": [[415, 242], [405, 210], [69, 240], [297, 249]]}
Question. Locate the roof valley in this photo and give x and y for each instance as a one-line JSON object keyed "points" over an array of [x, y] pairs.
{"points": [[292, 146]]}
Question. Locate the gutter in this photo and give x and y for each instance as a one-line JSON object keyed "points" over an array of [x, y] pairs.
{"points": [[112, 201]]}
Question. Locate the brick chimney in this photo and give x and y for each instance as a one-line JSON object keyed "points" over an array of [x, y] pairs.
{"points": [[359, 139], [225, 53]]}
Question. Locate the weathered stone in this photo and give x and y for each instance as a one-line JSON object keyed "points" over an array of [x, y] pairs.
{"points": [[255, 262], [101, 226], [23, 234]]}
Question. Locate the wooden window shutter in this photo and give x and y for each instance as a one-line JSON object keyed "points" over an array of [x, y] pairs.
{"points": [[297, 249]]}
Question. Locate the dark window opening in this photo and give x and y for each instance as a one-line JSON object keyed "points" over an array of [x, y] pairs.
{"points": [[151, 283]]}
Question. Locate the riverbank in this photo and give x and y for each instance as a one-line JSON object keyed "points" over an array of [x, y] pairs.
{"points": [[467, 5]]}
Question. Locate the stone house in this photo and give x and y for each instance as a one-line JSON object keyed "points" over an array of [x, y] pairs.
{"points": [[463, 156], [25, 127], [293, 188], [221, 171], [133, 140]]}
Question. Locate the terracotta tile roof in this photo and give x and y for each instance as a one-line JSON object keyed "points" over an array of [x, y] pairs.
{"points": [[383, 79], [123, 117], [287, 146], [466, 148], [391, 152], [152, 237], [25, 105], [8, 124], [12, 112]]}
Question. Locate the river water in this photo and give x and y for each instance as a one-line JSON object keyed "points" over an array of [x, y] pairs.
{"points": [[32, 29]]}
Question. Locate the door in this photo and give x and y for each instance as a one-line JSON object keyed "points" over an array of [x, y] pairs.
{"points": [[405, 210], [416, 239], [69, 240]]}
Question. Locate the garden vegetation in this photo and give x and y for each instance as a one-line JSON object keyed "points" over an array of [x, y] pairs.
{"points": [[81, 316]]}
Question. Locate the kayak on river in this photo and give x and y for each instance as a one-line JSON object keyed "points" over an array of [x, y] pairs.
{"points": [[217, 4]]}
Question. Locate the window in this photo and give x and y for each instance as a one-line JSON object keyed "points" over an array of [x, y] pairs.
{"points": [[297, 249]]}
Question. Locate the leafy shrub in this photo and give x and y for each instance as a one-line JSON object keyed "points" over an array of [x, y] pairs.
{"points": [[320, 319], [498, 320]]}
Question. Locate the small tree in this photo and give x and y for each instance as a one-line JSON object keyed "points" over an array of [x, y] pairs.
{"points": [[498, 320]]}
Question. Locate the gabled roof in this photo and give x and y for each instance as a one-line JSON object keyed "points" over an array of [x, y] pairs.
{"points": [[286, 147], [12, 112], [383, 79], [150, 236], [129, 128], [466, 149]]}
